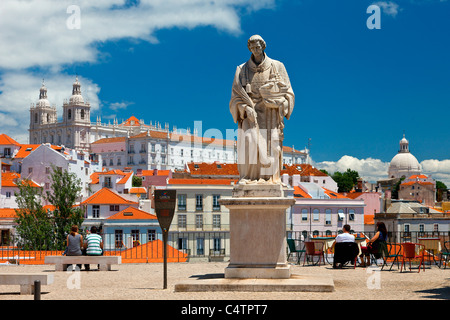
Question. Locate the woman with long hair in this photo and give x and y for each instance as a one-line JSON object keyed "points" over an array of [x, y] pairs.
{"points": [[373, 245]]}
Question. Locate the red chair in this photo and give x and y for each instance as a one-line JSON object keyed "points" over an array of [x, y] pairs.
{"points": [[409, 252], [313, 248]]}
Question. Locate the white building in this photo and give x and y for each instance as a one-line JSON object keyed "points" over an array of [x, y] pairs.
{"points": [[37, 166], [404, 164]]}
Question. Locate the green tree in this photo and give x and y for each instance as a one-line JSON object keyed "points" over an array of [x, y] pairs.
{"points": [[137, 181], [65, 192], [345, 181], [34, 224], [440, 188]]}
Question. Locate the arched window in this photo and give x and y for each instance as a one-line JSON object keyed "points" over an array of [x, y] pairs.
{"points": [[316, 214], [69, 114], [35, 118], [48, 118], [82, 114]]}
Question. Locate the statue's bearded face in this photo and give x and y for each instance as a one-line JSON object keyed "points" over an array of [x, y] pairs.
{"points": [[256, 48]]}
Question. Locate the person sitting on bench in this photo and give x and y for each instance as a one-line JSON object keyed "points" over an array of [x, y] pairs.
{"points": [[93, 245]]}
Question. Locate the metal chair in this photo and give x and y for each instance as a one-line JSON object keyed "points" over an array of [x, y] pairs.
{"points": [[314, 248], [392, 250], [293, 249], [409, 252], [445, 253], [345, 252]]}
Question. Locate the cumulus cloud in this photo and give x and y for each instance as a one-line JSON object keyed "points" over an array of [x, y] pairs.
{"points": [[373, 170], [45, 36], [53, 33]]}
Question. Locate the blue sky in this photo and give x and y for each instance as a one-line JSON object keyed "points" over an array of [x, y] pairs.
{"points": [[357, 90]]}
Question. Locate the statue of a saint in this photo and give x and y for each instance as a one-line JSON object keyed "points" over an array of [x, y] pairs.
{"points": [[261, 98]]}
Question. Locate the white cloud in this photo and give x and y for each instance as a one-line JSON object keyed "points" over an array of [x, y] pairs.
{"points": [[374, 169], [36, 33], [389, 8]]}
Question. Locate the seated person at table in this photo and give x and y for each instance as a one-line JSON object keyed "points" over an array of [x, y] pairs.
{"points": [[345, 248], [373, 245]]}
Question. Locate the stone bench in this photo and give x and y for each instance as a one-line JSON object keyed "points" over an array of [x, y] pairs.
{"points": [[61, 262], [25, 280]]}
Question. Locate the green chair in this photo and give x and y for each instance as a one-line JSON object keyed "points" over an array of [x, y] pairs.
{"points": [[445, 254], [293, 249], [391, 250]]}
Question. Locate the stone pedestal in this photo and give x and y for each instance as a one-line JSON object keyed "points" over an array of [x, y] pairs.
{"points": [[258, 232]]}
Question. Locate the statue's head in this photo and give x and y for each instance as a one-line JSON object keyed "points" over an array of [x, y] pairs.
{"points": [[256, 42]]}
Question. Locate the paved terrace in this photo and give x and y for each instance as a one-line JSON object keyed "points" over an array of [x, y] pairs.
{"points": [[145, 282]]}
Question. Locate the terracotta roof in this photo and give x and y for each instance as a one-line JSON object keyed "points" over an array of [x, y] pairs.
{"points": [[128, 122], [5, 139], [94, 178], [289, 149], [416, 176], [300, 193], [334, 195], [369, 219], [125, 178], [302, 170], [132, 213], [202, 181], [138, 190], [213, 169], [110, 140], [26, 149], [7, 213], [106, 196], [410, 183], [9, 180], [151, 134]]}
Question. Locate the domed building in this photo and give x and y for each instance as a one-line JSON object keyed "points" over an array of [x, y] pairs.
{"points": [[404, 164]]}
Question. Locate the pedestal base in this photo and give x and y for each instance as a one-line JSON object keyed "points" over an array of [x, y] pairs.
{"points": [[258, 272]]}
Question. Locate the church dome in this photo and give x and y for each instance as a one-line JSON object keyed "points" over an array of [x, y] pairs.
{"points": [[43, 101], [404, 163], [76, 97]]}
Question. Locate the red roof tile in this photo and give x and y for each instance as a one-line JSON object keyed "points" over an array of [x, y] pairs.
{"points": [[202, 181], [132, 213], [5, 139], [106, 196]]}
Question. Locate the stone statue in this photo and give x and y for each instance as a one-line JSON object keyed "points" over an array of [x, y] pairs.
{"points": [[261, 98]]}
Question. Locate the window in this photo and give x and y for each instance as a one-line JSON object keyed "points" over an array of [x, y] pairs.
{"points": [[216, 205], [181, 221], [118, 236], [217, 245], [135, 235], [151, 234], [304, 214], [328, 216], [421, 228], [114, 207], [436, 227], [153, 147], [216, 220], [119, 161], [182, 243], [181, 152], [316, 214], [199, 202], [351, 215], [47, 185], [96, 211], [199, 221], [69, 114], [108, 183], [200, 246], [30, 170], [81, 114], [406, 227], [341, 215], [8, 194], [47, 170], [182, 202]]}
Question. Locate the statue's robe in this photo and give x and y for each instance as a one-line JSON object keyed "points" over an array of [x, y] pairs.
{"points": [[260, 143]]}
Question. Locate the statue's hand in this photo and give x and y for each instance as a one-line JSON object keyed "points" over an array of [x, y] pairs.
{"points": [[275, 103], [251, 114]]}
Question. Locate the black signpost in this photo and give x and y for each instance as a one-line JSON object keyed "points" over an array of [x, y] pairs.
{"points": [[165, 201]]}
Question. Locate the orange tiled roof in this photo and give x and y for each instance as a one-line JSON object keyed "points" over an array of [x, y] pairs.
{"points": [[5, 139], [213, 169], [202, 181], [134, 214], [302, 170], [7, 213], [369, 219], [128, 122], [26, 149], [125, 178], [334, 195], [300, 193], [138, 190], [289, 149], [410, 183], [110, 140], [106, 196], [9, 180], [418, 176]]}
